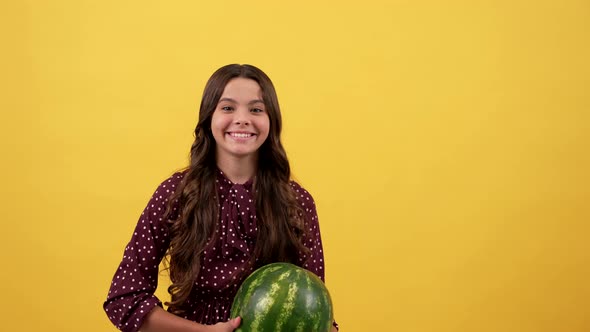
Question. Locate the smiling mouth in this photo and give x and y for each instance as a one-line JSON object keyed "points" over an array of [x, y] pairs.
{"points": [[241, 135]]}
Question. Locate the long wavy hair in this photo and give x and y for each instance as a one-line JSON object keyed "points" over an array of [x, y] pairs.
{"points": [[279, 216]]}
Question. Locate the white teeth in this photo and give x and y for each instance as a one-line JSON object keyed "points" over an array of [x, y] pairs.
{"points": [[240, 135]]}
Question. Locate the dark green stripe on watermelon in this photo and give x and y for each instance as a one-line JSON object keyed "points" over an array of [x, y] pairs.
{"points": [[283, 297]]}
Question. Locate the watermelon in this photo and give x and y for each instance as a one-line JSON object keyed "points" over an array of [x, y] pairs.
{"points": [[283, 297]]}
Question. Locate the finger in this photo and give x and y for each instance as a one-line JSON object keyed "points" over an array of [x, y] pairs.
{"points": [[235, 322]]}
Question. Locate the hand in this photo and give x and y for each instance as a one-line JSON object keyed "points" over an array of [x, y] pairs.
{"points": [[228, 326]]}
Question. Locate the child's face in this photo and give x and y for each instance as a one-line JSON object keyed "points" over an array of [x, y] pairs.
{"points": [[240, 123]]}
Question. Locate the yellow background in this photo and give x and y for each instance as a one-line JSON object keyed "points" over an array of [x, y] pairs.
{"points": [[446, 144]]}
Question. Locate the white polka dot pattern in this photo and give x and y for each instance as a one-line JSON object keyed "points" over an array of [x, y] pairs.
{"points": [[224, 264]]}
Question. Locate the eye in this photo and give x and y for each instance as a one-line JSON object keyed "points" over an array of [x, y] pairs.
{"points": [[256, 110], [227, 108]]}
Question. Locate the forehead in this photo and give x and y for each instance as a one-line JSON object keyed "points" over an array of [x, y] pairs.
{"points": [[242, 89]]}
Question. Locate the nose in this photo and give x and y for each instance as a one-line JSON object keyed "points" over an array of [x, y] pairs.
{"points": [[242, 117]]}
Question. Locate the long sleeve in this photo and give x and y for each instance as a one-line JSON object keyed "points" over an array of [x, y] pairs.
{"points": [[314, 262], [131, 295], [312, 238]]}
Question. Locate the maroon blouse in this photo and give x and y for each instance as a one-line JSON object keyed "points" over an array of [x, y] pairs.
{"points": [[224, 264]]}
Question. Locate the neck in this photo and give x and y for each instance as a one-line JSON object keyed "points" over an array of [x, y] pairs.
{"points": [[238, 169]]}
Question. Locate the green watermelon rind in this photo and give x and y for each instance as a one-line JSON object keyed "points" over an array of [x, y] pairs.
{"points": [[313, 315]]}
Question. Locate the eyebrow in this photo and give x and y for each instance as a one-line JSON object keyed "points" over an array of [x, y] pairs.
{"points": [[235, 102]]}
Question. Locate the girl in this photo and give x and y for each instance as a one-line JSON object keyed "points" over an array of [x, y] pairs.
{"points": [[232, 210]]}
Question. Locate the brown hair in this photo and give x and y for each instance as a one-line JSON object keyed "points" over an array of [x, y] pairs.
{"points": [[279, 216]]}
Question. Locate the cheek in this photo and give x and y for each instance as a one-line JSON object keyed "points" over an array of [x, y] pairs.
{"points": [[266, 126], [217, 132], [218, 124]]}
